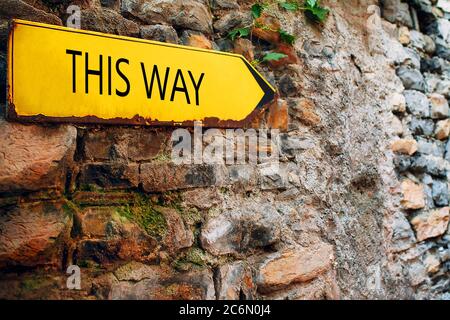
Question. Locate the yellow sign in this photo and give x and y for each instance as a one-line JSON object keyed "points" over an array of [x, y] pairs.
{"points": [[68, 75]]}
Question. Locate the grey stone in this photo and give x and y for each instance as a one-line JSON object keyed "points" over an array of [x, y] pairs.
{"points": [[402, 234], [272, 176], [431, 65], [159, 32], [417, 103], [427, 181], [430, 46], [431, 81], [444, 254], [442, 49], [444, 5], [430, 164], [397, 12], [288, 86], [445, 68], [422, 5], [237, 232], [290, 145], [417, 39], [225, 4], [412, 58], [443, 87], [108, 21], [447, 151], [411, 78], [443, 29], [225, 44], [242, 175], [232, 20], [435, 148], [402, 163], [423, 127], [417, 273], [187, 14], [193, 15], [440, 193]]}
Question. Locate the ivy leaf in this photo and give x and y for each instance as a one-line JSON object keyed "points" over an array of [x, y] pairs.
{"points": [[286, 37], [273, 56], [315, 11], [257, 9], [239, 33], [289, 6]]}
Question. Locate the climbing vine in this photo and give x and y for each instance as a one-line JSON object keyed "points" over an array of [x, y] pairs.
{"points": [[312, 9]]}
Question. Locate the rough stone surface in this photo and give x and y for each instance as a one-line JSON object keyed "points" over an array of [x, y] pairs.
{"points": [[108, 21], [417, 103], [442, 129], [412, 79], [431, 224], [413, 196], [159, 32], [34, 234], [237, 232], [178, 235], [439, 106], [188, 14], [143, 282], [405, 146], [232, 20], [22, 10], [167, 176], [234, 280], [298, 265], [33, 157]]}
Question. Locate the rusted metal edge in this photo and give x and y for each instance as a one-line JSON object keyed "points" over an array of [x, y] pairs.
{"points": [[135, 121]]}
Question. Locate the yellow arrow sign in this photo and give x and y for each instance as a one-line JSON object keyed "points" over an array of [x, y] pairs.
{"points": [[68, 75]]}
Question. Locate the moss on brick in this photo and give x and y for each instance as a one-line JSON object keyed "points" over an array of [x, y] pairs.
{"points": [[144, 213]]}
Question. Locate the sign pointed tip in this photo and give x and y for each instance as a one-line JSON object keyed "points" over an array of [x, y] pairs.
{"points": [[266, 87]]}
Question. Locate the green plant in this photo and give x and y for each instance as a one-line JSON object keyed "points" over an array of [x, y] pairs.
{"points": [[239, 33], [289, 5], [257, 10], [255, 62], [286, 37], [315, 11], [273, 56]]}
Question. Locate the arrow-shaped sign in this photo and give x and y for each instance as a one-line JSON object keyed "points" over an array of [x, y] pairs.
{"points": [[68, 75]]}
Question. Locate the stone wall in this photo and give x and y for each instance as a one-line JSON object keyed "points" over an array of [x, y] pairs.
{"points": [[344, 218], [420, 121]]}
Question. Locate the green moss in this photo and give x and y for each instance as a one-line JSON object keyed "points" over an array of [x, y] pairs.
{"points": [[171, 289], [91, 188], [162, 157], [192, 216], [143, 213], [197, 256], [31, 284], [194, 258], [69, 208]]}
